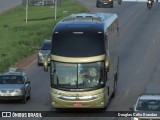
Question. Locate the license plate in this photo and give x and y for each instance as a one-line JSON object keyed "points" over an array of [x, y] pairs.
{"points": [[105, 3], [77, 104]]}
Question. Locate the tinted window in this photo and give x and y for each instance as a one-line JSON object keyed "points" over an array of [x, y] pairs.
{"points": [[11, 79], [148, 105], [78, 45]]}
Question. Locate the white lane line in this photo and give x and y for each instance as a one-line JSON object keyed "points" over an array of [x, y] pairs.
{"points": [[114, 118], [154, 41], [138, 71], [126, 92], [146, 56]]}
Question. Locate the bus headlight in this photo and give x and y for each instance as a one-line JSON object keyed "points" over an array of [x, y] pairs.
{"points": [[54, 95], [40, 54], [98, 95]]}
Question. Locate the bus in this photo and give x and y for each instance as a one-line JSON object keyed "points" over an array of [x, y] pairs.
{"points": [[84, 61]]}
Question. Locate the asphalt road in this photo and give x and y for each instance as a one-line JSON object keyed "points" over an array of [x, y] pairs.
{"points": [[8, 4], [139, 63]]}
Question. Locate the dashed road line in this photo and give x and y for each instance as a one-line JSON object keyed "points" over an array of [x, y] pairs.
{"points": [[154, 41], [146, 56], [127, 92], [138, 71]]}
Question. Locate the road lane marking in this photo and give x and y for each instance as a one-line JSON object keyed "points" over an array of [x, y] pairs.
{"points": [[146, 56], [127, 93], [114, 118], [154, 41], [137, 72]]}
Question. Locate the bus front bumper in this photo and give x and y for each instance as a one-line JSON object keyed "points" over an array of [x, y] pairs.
{"points": [[95, 103]]}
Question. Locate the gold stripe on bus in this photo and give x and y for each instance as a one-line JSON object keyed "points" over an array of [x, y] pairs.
{"points": [[78, 59]]}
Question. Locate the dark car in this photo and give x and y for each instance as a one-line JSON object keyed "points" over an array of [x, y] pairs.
{"points": [[14, 84], [44, 50], [104, 3]]}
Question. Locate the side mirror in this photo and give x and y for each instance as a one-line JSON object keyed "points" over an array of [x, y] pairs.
{"points": [[107, 64], [45, 63], [28, 82]]}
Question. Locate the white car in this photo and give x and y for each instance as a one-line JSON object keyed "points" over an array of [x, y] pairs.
{"points": [[44, 50], [14, 84], [147, 107]]}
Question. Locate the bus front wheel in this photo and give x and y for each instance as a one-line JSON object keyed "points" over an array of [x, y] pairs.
{"points": [[114, 89]]}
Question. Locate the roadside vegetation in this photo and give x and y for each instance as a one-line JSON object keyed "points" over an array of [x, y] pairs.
{"points": [[19, 39]]}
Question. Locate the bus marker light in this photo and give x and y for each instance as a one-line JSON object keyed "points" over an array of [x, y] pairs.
{"points": [[102, 103], [53, 103]]}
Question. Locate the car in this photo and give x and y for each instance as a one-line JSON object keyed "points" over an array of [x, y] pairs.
{"points": [[104, 3], [15, 85], [44, 50], [147, 107]]}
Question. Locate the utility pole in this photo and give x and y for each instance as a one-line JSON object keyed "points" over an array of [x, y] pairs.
{"points": [[55, 4], [26, 11]]}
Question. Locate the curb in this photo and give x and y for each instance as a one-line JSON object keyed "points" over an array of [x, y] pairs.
{"points": [[26, 61]]}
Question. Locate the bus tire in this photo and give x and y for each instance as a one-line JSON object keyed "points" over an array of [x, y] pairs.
{"points": [[59, 109], [111, 6], [29, 96], [104, 109], [97, 5], [114, 89], [24, 100]]}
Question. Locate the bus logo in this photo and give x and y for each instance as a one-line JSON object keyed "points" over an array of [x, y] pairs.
{"points": [[77, 96]]}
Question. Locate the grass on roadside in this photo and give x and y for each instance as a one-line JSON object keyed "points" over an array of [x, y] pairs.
{"points": [[19, 39]]}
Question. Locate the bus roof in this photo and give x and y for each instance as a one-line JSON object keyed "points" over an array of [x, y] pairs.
{"points": [[93, 22], [81, 35], [91, 17]]}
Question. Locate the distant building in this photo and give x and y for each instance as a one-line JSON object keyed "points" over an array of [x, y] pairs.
{"points": [[41, 2]]}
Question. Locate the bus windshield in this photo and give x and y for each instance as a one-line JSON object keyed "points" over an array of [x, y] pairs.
{"points": [[77, 76]]}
